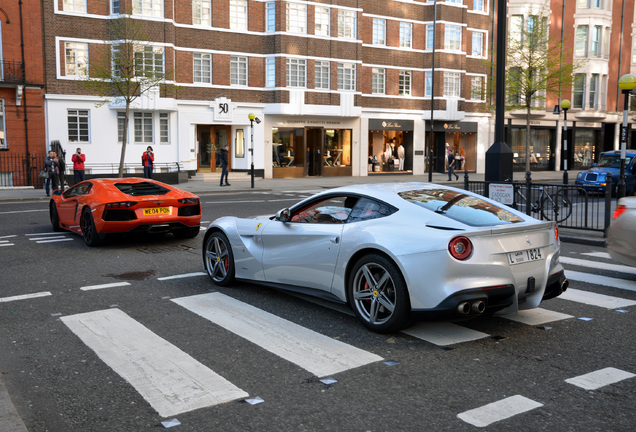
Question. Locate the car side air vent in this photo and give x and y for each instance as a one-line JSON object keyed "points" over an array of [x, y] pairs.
{"points": [[444, 228]]}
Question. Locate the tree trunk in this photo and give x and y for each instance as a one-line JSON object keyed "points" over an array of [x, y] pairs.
{"points": [[124, 141], [528, 137]]}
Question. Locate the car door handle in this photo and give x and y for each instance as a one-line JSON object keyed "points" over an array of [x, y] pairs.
{"points": [[335, 240]]}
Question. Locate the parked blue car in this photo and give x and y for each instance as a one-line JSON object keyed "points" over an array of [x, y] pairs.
{"points": [[609, 162]]}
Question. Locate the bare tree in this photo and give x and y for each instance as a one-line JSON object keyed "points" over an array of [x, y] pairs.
{"points": [[125, 67]]}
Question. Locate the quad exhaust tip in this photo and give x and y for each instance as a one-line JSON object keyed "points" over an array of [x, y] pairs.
{"points": [[477, 307]]}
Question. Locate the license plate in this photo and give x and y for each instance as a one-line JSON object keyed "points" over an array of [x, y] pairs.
{"points": [[525, 256], [157, 211]]}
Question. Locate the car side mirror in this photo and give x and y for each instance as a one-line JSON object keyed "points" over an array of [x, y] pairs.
{"points": [[283, 215], [57, 192], [594, 164]]}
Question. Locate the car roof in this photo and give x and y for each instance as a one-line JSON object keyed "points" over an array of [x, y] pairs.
{"points": [[388, 192]]}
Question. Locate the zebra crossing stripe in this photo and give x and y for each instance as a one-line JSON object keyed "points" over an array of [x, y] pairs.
{"points": [[537, 316], [443, 333], [595, 299], [497, 411], [600, 378], [625, 284], [170, 380], [25, 296], [312, 351], [598, 265]]}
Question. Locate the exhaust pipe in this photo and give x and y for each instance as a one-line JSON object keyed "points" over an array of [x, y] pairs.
{"points": [[565, 285], [463, 308], [478, 306]]}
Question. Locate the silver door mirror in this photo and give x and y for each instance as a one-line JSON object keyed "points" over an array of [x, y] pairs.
{"points": [[283, 215]]}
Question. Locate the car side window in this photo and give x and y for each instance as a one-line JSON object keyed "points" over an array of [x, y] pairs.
{"points": [[367, 209], [82, 189], [331, 210]]}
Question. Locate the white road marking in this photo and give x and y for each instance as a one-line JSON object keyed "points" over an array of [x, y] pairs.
{"points": [[49, 237], [595, 299], [46, 233], [25, 296], [56, 240], [110, 285], [7, 244], [500, 410], [443, 333], [598, 265], [537, 316], [598, 254], [625, 284], [185, 275], [170, 380], [600, 378], [314, 352], [23, 211], [252, 201], [9, 236]]}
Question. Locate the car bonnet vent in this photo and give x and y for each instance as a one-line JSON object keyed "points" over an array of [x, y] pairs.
{"points": [[141, 189]]}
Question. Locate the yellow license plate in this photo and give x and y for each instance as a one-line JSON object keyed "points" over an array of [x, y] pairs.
{"points": [[157, 211]]}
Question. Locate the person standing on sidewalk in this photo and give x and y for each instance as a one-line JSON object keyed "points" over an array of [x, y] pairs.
{"points": [[51, 166], [78, 165], [451, 165], [148, 161], [224, 162]]}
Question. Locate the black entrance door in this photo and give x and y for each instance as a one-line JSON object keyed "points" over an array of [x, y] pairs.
{"points": [[314, 152]]}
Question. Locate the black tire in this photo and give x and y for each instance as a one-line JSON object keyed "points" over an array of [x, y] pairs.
{"points": [[219, 259], [55, 217], [378, 294], [548, 204], [91, 237], [187, 233]]}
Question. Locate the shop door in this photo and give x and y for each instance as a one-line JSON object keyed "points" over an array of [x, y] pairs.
{"points": [[440, 152], [314, 152], [205, 148], [221, 141]]}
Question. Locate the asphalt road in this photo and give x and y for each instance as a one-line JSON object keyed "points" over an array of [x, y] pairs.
{"points": [[442, 377]]}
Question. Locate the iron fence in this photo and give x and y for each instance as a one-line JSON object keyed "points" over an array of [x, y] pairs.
{"points": [[21, 170], [571, 206]]}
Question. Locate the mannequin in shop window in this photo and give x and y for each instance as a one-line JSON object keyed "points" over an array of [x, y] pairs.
{"points": [[387, 157], [400, 155]]}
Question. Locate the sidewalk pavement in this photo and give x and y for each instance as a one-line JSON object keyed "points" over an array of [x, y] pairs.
{"points": [[241, 182]]}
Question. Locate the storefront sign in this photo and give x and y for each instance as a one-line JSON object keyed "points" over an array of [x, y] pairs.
{"points": [[399, 125], [222, 110], [588, 125], [503, 193], [326, 123], [441, 126]]}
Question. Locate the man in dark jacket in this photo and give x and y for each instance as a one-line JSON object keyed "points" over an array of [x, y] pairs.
{"points": [[223, 162], [52, 166]]}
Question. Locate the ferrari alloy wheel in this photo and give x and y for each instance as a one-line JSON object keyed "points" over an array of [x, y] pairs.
{"points": [[218, 258], [378, 294], [55, 218], [89, 231]]}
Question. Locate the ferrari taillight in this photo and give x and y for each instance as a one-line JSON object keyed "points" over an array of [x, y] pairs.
{"points": [[120, 205], [619, 211], [556, 232], [189, 200], [460, 248]]}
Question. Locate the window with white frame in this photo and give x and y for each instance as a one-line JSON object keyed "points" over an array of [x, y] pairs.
{"points": [[321, 74], [477, 88], [152, 8], [452, 37], [594, 81], [202, 12], [404, 83], [77, 125], [430, 37], [583, 3], [578, 91], [238, 70], [3, 138], [606, 43], [323, 21], [76, 55], [202, 68], [148, 61], [114, 7], [477, 49], [406, 35], [296, 72], [478, 6], [270, 72], [516, 29], [238, 14], [377, 80], [270, 16], [143, 127], [454, 1], [347, 22], [74, 5], [121, 121], [580, 41], [596, 40], [428, 83], [597, 4], [379, 31], [452, 84], [296, 17], [346, 76], [164, 128]]}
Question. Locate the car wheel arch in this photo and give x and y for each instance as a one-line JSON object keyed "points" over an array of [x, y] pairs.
{"points": [[353, 259]]}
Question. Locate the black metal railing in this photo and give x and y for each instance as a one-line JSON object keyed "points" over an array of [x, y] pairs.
{"points": [[20, 169], [11, 72]]}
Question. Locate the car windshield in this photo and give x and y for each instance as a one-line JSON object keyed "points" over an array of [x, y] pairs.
{"points": [[141, 189], [461, 207], [612, 161]]}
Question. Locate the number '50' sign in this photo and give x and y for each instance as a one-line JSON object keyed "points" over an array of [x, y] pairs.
{"points": [[224, 108]]}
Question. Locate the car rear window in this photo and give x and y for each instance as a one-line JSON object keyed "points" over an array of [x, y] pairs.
{"points": [[461, 207], [141, 189]]}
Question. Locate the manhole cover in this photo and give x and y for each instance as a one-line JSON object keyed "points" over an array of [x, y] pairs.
{"points": [[165, 248]]}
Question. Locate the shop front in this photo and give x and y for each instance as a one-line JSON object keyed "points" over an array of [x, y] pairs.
{"points": [[541, 148], [211, 139], [390, 146], [311, 148], [460, 138], [587, 145]]}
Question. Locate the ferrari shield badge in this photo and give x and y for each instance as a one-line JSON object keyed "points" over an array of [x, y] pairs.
{"points": [[258, 226]]}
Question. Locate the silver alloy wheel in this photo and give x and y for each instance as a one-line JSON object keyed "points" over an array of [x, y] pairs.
{"points": [[219, 261], [374, 293]]}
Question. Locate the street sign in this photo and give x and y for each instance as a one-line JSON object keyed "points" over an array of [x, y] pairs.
{"points": [[503, 193]]}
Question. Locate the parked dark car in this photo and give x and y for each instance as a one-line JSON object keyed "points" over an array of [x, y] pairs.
{"points": [[609, 162]]}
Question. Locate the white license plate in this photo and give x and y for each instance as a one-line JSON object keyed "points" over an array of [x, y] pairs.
{"points": [[525, 256]]}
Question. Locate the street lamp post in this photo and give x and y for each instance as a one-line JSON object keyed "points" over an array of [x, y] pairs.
{"points": [[565, 106], [252, 118], [626, 83]]}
